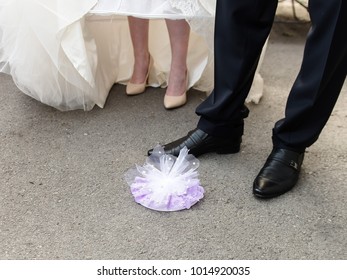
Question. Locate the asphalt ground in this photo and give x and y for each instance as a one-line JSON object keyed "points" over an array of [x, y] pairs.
{"points": [[63, 195]]}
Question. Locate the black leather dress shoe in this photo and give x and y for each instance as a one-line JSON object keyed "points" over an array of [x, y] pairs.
{"points": [[198, 142], [279, 174]]}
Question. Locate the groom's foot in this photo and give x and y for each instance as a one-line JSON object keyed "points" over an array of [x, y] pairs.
{"points": [[279, 174], [199, 142]]}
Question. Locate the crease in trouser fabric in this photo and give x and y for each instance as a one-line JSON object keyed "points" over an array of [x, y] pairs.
{"points": [[240, 35], [321, 77]]}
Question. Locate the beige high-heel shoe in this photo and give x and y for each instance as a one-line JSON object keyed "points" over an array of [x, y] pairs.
{"points": [[134, 89], [172, 102]]}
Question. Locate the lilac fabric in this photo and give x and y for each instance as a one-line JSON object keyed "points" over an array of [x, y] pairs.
{"points": [[166, 183]]}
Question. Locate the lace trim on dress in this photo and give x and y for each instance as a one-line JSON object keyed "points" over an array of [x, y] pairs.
{"points": [[188, 7]]}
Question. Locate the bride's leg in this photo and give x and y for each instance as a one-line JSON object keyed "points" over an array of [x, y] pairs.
{"points": [[179, 38], [139, 37]]}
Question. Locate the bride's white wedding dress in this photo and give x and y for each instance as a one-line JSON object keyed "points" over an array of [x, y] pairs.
{"points": [[68, 54]]}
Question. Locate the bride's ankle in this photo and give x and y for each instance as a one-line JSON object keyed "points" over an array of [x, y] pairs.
{"points": [[141, 69]]}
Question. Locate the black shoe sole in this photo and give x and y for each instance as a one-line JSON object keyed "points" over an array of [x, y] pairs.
{"points": [[262, 196], [220, 151]]}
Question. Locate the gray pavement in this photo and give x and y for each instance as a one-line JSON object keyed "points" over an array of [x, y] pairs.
{"points": [[63, 196]]}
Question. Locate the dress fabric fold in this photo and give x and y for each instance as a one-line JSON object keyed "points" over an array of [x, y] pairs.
{"points": [[68, 54]]}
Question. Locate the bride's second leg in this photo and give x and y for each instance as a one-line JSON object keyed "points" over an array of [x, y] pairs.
{"points": [[178, 78], [139, 37]]}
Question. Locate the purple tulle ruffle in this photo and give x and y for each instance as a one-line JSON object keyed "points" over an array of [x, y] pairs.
{"points": [[166, 183]]}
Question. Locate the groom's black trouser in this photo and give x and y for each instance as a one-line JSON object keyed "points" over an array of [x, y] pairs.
{"points": [[241, 30]]}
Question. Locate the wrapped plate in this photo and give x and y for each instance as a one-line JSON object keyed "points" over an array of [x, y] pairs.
{"points": [[166, 183]]}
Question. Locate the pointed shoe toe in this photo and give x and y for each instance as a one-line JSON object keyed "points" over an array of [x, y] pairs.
{"points": [[172, 102]]}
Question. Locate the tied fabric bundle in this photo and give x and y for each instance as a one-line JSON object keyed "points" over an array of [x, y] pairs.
{"points": [[166, 183]]}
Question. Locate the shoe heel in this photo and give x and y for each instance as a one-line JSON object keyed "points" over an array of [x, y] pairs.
{"points": [[135, 89], [229, 150], [172, 102]]}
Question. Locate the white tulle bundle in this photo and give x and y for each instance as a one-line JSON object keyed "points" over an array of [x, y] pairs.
{"points": [[166, 183]]}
